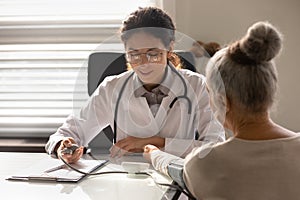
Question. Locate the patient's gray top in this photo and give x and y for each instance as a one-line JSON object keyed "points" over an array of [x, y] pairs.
{"points": [[245, 169]]}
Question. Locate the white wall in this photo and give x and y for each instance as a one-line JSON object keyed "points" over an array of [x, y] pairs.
{"points": [[226, 20]]}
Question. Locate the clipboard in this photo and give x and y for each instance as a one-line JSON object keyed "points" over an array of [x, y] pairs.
{"points": [[54, 170]]}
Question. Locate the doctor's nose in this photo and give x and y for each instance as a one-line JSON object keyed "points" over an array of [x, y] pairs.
{"points": [[144, 60]]}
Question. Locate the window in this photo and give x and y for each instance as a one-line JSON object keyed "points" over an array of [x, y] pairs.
{"points": [[44, 44]]}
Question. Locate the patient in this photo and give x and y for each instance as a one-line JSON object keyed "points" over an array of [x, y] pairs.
{"points": [[262, 160]]}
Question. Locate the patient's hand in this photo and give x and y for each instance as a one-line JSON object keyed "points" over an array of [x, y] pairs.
{"points": [[148, 149]]}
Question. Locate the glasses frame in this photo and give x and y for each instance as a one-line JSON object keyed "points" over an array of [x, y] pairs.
{"points": [[150, 58]]}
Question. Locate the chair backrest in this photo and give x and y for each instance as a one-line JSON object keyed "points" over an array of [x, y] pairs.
{"points": [[102, 64], [187, 59]]}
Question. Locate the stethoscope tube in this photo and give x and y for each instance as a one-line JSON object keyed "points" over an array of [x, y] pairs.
{"points": [[117, 107], [184, 96]]}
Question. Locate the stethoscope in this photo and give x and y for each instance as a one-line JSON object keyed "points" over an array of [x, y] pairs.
{"points": [[184, 96]]}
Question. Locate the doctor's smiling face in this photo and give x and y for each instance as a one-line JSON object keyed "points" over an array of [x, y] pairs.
{"points": [[147, 56]]}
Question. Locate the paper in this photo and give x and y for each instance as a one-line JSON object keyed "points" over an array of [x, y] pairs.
{"points": [[45, 170]]}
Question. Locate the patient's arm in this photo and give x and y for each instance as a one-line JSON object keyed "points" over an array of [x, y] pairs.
{"points": [[166, 163]]}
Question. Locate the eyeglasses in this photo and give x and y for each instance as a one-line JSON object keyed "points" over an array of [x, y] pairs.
{"points": [[152, 57]]}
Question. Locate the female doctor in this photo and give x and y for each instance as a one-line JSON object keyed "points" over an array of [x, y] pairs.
{"points": [[154, 102]]}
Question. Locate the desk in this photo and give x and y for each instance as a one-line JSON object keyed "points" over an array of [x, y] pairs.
{"points": [[110, 186]]}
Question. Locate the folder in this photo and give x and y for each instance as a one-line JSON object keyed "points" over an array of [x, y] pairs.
{"points": [[54, 170]]}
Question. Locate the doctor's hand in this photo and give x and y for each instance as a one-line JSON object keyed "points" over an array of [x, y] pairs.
{"points": [[148, 149], [69, 158], [135, 145]]}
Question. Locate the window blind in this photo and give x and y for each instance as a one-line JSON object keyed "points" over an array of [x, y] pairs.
{"points": [[44, 46]]}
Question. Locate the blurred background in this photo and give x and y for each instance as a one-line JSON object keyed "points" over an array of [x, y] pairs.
{"points": [[45, 44]]}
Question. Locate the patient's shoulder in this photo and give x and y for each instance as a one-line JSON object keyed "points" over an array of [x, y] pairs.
{"points": [[208, 151]]}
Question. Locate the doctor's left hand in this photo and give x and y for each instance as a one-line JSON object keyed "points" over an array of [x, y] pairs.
{"points": [[135, 145]]}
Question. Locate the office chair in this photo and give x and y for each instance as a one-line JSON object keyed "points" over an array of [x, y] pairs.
{"points": [[103, 64], [188, 60]]}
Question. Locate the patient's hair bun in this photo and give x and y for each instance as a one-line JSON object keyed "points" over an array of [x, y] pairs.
{"points": [[262, 42]]}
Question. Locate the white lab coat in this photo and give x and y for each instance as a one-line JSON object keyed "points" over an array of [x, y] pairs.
{"points": [[134, 116]]}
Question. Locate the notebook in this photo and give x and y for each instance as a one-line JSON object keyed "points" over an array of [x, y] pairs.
{"points": [[51, 169]]}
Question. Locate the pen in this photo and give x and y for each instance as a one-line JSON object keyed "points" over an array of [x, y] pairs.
{"points": [[55, 168], [33, 178], [38, 178]]}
